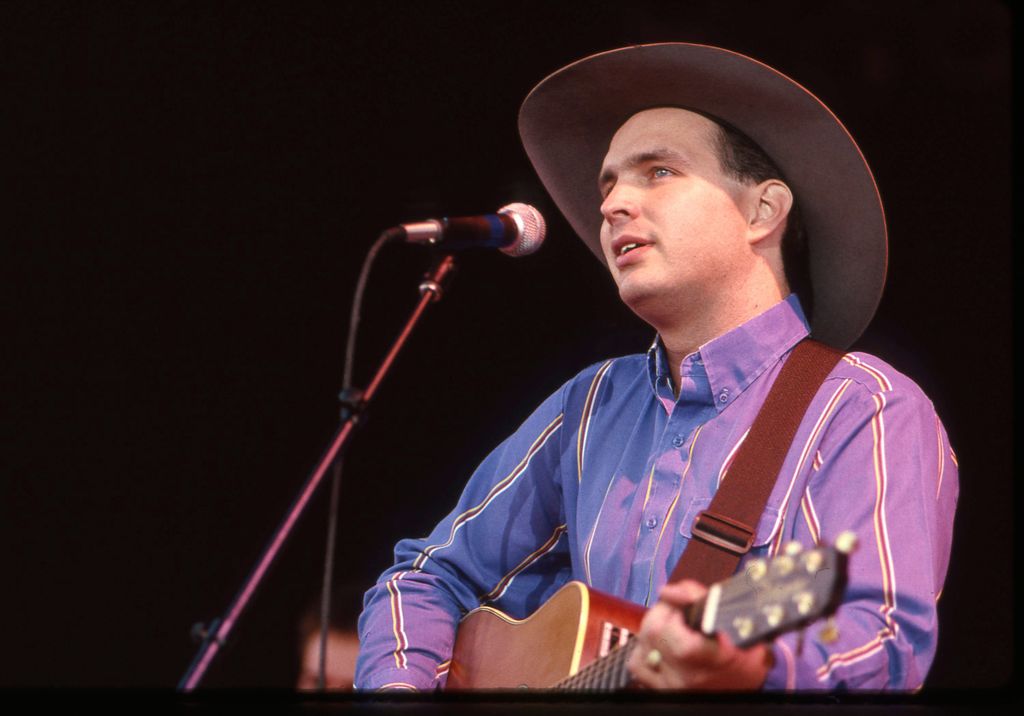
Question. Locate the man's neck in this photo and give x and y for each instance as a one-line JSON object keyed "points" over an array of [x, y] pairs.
{"points": [[683, 338], [676, 349]]}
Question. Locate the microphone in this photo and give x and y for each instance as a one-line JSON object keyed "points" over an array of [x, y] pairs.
{"points": [[517, 230]]}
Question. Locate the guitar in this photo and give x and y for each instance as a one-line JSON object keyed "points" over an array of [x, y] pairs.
{"points": [[580, 639]]}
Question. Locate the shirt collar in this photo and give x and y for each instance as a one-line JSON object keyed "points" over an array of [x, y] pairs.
{"points": [[736, 359]]}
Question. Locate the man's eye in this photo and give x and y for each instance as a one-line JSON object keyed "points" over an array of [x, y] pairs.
{"points": [[659, 172]]}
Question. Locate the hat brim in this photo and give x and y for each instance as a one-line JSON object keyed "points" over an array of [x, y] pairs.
{"points": [[568, 120]]}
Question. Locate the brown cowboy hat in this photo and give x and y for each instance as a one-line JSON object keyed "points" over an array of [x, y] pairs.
{"points": [[567, 122]]}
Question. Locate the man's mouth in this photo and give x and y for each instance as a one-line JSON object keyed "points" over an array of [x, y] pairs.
{"points": [[624, 244]]}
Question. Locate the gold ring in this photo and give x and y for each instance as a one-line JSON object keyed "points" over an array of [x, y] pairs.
{"points": [[653, 659]]}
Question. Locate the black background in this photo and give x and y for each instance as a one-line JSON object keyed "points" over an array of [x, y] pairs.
{"points": [[189, 190]]}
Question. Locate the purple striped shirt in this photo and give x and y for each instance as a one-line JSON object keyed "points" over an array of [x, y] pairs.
{"points": [[602, 483]]}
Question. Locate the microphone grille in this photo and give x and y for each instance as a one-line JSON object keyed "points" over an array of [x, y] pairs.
{"points": [[532, 229]]}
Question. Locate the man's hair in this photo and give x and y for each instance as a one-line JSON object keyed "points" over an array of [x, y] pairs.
{"points": [[743, 160]]}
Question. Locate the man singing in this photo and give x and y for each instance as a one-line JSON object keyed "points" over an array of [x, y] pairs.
{"points": [[737, 216]]}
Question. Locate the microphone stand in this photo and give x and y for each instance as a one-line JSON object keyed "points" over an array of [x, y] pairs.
{"points": [[215, 634]]}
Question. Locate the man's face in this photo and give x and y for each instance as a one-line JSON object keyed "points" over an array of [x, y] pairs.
{"points": [[664, 190]]}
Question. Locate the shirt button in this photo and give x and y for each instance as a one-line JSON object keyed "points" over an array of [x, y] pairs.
{"points": [[678, 441], [652, 522], [724, 395]]}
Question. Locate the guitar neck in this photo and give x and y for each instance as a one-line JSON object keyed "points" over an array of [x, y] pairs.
{"points": [[607, 673]]}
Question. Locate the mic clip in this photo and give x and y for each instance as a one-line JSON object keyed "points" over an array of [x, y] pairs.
{"points": [[352, 403]]}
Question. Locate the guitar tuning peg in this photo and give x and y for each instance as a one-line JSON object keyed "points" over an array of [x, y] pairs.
{"points": [[813, 561], [804, 601], [792, 548], [846, 542], [782, 565], [744, 626], [829, 633], [756, 569], [773, 614]]}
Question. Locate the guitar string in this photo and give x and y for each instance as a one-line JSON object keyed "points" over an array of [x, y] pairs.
{"points": [[607, 666], [607, 672]]}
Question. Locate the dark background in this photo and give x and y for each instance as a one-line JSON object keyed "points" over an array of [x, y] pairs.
{"points": [[189, 190]]}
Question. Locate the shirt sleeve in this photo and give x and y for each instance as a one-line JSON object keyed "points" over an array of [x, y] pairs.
{"points": [[508, 519], [885, 470]]}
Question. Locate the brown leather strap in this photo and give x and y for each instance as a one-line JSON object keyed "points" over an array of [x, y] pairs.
{"points": [[724, 532]]}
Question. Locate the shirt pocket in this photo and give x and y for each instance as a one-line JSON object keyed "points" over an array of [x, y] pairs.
{"points": [[767, 526]]}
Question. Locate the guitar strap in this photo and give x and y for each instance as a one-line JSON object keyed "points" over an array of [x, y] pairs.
{"points": [[724, 532]]}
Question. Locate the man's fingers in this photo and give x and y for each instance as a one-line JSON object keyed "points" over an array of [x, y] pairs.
{"points": [[641, 664], [667, 652], [682, 594]]}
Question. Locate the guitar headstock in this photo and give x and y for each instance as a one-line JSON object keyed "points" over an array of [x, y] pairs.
{"points": [[769, 597]]}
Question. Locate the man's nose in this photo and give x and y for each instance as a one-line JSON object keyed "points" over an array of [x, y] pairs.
{"points": [[621, 204]]}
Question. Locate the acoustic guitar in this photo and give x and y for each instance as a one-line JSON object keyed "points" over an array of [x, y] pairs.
{"points": [[580, 639]]}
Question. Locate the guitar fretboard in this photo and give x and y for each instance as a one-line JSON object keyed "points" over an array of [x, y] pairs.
{"points": [[608, 673]]}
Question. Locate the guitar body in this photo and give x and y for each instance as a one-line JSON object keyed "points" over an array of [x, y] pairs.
{"points": [[572, 629]]}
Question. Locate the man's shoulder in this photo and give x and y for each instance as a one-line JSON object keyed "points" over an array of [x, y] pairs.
{"points": [[602, 379], [620, 366], [876, 377]]}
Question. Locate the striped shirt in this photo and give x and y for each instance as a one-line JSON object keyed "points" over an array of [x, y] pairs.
{"points": [[603, 481]]}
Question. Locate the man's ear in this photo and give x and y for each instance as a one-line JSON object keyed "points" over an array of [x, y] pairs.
{"points": [[769, 212]]}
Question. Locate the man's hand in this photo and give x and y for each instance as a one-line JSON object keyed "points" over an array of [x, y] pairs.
{"points": [[670, 655]]}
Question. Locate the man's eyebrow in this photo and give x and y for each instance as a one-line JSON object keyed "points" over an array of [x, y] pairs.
{"points": [[663, 154]]}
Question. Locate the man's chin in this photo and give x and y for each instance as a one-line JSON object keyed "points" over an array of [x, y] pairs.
{"points": [[656, 305], [641, 300]]}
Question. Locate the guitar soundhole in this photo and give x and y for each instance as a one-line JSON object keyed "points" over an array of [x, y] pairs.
{"points": [[612, 637]]}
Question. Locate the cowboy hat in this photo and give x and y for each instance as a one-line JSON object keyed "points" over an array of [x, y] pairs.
{"points": [[568, 120]]}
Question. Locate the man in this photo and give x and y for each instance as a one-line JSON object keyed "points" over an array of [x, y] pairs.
{"points": [[691, 171], [342, 650], [342, 645]]}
